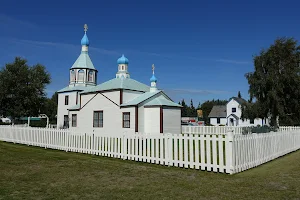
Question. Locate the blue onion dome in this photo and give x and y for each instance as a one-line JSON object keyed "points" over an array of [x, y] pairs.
{"points": [[122, 60], [85, 40], [153, 78]]}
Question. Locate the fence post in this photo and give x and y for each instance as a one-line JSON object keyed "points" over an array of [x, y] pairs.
{"points": [[123, 147], [230, 152]]}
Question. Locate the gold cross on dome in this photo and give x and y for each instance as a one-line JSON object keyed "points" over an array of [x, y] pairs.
{"points": [[153, 68], [85, 27]]}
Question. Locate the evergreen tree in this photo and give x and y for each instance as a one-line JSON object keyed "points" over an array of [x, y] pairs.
{"points": [[184, 109], [239, 95]]}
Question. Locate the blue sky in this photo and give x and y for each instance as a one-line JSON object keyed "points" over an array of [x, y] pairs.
{"points": [[201, 49]]}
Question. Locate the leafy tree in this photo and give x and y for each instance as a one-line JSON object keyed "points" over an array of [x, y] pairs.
{"points": [[274, 84], [22, 88], [239, 95], [50, 107]]}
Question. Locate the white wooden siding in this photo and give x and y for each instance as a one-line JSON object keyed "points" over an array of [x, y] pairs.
{"points": [[152, 119], [172, 120], [62, 109]]}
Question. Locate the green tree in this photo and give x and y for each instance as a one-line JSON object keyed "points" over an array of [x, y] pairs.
{"points": [[239, 95], [50, 107], [22, 88], [274, 84], [184, 109]]}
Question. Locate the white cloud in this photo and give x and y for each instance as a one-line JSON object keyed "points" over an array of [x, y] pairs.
{"points": [[8, 21], [195, 91]]}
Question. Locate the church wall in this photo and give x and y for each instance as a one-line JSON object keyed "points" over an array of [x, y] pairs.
{"points": [[172, 120], [128, 95], [141, 116], [152, 119], [113, 95], [62, 109], [112, 116]]}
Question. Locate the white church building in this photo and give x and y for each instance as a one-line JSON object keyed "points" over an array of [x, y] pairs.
{"points": [[119, 105]]}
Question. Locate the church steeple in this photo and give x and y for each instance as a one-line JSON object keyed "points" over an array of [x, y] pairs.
{"points": [[153, 81], [122, 67], [83, 72]]}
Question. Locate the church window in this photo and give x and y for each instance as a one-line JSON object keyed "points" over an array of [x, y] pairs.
{"points": [[98, 119], [80, 75], [218, 120], [72, 75], [126, 119], [67, 100], [74, 120], [233, 110], [90, 76], [66, 121]]}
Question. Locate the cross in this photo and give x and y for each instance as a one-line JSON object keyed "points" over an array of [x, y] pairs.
{"points": [[153, 68], [85, 27]]}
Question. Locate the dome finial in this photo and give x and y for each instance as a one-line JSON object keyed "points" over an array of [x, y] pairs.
{"points": [[85, 27], [153, 68], [85, 41]]}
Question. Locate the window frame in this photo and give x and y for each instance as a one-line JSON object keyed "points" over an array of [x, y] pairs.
{"points": [[74, 120], [233, 110], [67, 100], [80, 75], [99, 119], [125, 120], [90, 76], [66, 122]]}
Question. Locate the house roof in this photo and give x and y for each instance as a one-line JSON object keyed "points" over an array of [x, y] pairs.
{"points": [[162, 100], [75, 88], [119, 83], [83, 61], [76, 107], [218, 111], [239, 100], [233, 115], [140, 98]]}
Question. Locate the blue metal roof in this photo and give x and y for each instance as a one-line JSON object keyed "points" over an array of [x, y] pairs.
{"points": [[85, 40], [83, 61], [153, 78], [122, 60], [119, 83]]}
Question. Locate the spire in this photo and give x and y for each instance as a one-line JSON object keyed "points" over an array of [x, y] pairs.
{"points": [[153, 81], [122, 67], [85, 41]]}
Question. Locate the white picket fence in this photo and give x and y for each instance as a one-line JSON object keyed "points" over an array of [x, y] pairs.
{"points": [[220, 152], [215, 129]]}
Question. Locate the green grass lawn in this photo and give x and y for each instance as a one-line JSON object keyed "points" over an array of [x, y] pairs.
{"points": [[36, 173]]}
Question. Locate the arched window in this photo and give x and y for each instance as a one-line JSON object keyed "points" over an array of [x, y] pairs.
{"points": [[72, 76], [91, 73], [80, 75]]}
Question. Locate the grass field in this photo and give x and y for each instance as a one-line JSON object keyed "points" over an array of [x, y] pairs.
{"points": [[36, 173]]}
